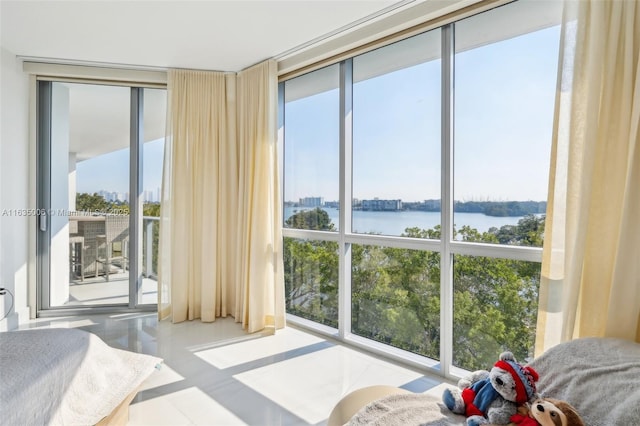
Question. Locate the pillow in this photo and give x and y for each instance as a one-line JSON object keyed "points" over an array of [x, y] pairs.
{"points": [[600, 377]]}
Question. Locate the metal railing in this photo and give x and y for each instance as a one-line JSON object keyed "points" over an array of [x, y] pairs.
{"points": [[151, 232]]}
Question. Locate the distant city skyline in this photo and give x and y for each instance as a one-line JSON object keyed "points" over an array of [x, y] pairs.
{"points": [[148, 195], [330, 201]]}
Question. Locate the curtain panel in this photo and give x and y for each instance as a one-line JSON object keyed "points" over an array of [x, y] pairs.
{"points": [[220, 233], [260, 296], [590, 282]]}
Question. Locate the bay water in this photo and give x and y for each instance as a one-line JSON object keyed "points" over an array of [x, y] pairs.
{"points": [[395, 222]]}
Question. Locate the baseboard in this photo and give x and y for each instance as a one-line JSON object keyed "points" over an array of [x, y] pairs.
{"points": [[13, 320], [10, 322]]}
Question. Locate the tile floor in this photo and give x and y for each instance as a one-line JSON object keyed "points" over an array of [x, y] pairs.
{"points": [[215, 374], [98, 291]]}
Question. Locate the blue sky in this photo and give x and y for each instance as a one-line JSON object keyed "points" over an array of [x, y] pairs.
{"points": [[110, 172], [504, 97]]}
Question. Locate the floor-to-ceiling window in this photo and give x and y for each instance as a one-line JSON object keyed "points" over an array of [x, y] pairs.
{"points": [[396, 167], [311, 167], [503, 114], [100, 150], [415, 186]]}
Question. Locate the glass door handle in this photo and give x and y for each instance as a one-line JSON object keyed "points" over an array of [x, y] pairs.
{"points": [[43, 222]]}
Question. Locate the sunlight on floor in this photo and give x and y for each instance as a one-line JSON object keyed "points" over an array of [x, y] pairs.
{"points": [[188, 406], [246, 351], [216, 374], [98, 291]]}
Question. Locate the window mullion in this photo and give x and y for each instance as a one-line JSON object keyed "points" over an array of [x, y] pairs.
{"points": [[135, 199], [446, 258], [346, 144]]}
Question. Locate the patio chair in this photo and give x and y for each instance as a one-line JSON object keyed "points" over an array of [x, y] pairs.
{"points": [[76, 251], [113, 246]]}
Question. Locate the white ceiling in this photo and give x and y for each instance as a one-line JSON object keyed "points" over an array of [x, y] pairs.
{"points": [[201, 34], [206, 34]]}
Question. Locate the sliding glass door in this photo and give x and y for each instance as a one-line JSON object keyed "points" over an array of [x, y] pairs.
{"points": [[94, 187]]}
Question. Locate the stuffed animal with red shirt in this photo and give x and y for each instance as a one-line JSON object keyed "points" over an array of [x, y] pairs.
{"points": [[492, 397], [547, 412]]}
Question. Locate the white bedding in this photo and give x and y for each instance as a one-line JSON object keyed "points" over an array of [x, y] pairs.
{"points": [[599, 376], [65, 377], [405, 410]]}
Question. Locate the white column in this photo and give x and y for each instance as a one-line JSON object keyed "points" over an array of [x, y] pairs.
{"points": [[72, 181]]}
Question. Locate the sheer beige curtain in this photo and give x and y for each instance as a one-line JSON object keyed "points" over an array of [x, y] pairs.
{"points": [[260, 295], [220, 226], [590, 282]]}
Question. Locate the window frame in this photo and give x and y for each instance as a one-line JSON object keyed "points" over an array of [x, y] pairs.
{"points": [[446, 246], [47, 75]]}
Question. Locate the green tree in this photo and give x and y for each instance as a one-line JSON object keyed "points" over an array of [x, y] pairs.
{"points": [[91, 202], [311, 270], [396, 292], [95, 203], [494, 309], [316, 219], [151, 209], [395, 297], [495, 300]]}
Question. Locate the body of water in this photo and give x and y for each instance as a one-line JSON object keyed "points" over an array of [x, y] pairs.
{"points": [[394, 223]]}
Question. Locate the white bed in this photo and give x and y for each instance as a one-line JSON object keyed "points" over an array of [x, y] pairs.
{"points": [[66, 377], [600, 377]]}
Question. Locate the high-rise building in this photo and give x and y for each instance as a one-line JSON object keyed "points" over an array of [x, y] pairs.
{"points": [[312, 202], [382, 205]]}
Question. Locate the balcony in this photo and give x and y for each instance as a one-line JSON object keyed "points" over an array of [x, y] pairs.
{"points": [[94, 286]]}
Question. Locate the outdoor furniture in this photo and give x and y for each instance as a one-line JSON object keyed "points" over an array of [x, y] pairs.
{"points": [[89, 227], [113, 246], [76, 251], [76, 255]]}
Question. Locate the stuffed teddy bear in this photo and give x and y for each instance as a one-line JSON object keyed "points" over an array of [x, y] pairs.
{"points": [[492, 397], [547, 412]]}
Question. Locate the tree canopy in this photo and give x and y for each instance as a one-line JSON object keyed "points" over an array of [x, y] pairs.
{"points": [[96, 203], [316, 219], [395, 293], [91, 203]]}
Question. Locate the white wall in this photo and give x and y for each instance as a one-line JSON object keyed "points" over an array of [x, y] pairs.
{"points": [[72, 181], [14, 187]]}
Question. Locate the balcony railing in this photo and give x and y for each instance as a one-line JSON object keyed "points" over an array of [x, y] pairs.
{"points": [[150, 240]]}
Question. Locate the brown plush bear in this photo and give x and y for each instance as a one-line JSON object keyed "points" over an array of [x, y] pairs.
{"points": [[547, 412]]}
